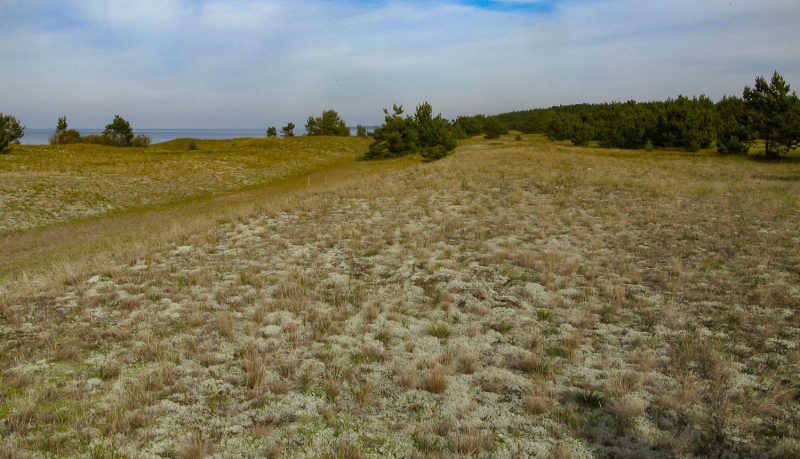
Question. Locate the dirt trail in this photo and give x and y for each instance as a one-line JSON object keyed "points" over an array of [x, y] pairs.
{"points": [[39, 249]]}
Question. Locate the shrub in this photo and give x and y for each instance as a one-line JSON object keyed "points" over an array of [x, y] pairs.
{"points": [[288, 130], [272, 132], [361, 131], [96, 139], [192, 146], [141, 141], [63, 135]]}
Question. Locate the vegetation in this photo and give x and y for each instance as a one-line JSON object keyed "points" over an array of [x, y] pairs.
{"points": [[328, 124], [775, 114], [361, 131], [769, 111], [734, 134], [288, 130], [272, 132], [494, 128], [528, 299], [64, 135], [10, 131], [119, 132], [431, 137]]}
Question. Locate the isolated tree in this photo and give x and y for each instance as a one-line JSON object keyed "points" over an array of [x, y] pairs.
{"points": [[775, 114], [328, 124], [119, 132], [288, 130], [734, 135], [10, 131], [63, 134], [272, 132], [361, 131]]}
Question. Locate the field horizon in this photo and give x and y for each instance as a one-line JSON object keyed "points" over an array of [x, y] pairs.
{"points": [[276, 298]]}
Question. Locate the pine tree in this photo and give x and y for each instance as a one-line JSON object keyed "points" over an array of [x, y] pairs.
{"points": [[775, 114], [119, 132], [10, 131]]}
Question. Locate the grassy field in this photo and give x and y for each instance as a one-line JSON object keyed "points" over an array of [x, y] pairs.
{"points": [[517, 299]]}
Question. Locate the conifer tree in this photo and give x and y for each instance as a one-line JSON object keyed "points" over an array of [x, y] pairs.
{"points": [[775, 113]]}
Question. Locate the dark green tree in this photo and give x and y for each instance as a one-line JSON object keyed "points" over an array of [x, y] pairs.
{"points": [[119, 132], [361, 131], [432, 137], [774, 110], [10, 131], [471, 125], [494, 128], [288, 130], [684, 123], [582, 133], [272, 132], [396, 137], [734, 136], [562, 127], [624, 125], [63, 134], [328, 124], [435, 135]]}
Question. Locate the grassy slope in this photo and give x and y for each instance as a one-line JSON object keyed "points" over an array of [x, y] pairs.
{"points": [[516, 299], [63, 202]]}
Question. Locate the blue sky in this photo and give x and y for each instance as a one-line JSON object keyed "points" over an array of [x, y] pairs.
{"points": [[253, 64]]}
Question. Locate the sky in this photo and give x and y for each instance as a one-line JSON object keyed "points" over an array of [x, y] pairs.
{"points": [[209, 64]]}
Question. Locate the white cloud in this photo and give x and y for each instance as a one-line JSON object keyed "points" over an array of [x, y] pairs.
{"points": [[250, 63]]}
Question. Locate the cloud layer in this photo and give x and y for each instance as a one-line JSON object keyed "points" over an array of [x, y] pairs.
{"points": [[252, 64]]}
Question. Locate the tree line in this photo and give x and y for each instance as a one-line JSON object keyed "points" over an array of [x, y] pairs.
{"points": [[769, 111], [118, 133]]}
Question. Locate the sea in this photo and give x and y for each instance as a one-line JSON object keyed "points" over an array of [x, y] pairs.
{"points": [[41, 136]]}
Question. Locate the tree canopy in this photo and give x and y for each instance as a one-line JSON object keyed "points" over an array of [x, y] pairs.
{"points": [[119, 132], [63, 134], [432, 137], [774, 112], [328, 124], [10, 131], [288, 130]]}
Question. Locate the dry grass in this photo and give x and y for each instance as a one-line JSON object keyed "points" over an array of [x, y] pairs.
{"points": [[523, 299]]}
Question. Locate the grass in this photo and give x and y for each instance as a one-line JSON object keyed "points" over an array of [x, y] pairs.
{"points": [[518, 298]]}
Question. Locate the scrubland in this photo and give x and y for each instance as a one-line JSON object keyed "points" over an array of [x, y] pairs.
{"points": [[517, 299]]}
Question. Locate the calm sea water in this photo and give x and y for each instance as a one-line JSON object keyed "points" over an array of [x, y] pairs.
{"points": [[40, 136]]}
